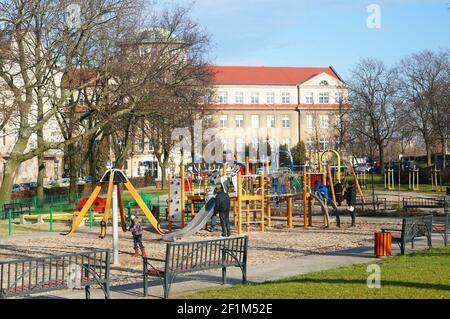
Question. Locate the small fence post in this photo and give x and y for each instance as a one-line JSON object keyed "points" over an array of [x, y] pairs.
{"points": [[10, 222], [51, 219], [60, 202], [90, 218], [35, 202]]}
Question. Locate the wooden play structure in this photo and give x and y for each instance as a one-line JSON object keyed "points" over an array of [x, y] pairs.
{"points": [[114, 177], [413, 179], [436, 180]]}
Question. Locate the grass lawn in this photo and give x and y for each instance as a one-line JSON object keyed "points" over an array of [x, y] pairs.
{"points": [[425, 274], [378, 184]]}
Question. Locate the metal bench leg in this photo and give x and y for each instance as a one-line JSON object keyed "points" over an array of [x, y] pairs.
{"points": [[224, 275], [145, 286], [166, 287], [87, 290], [244, 274], [107, 292]]}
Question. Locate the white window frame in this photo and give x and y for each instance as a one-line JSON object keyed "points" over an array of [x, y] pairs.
{"points": [[338, 98], [309, 98], [286, 121], [239, 120], [285, 98], [271, 121], [223, 121], [253, 121], [270, 98], [324, 98], [309, 121], [223, 97], [254, 98], [324, 143], [324, 121], [239, 97]]}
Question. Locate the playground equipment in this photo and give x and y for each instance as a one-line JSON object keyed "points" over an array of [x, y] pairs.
{"points": [[361, 176], [114, 177], [389, 181], [413, 179], [436, 180], [321, 161], [97, 206]]}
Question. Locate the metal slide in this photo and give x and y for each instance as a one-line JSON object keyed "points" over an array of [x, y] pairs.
{"points": [[325, 211], [200, 219]]}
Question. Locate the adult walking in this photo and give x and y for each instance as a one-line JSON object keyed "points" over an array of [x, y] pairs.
{"points": [[222, 208], [350, 197]]}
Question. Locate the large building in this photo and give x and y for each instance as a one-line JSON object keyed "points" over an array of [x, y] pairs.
{"points": [[280, 105], [286, 103]]}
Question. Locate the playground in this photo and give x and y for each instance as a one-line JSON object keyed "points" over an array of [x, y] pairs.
{"points": [[285, 212]]}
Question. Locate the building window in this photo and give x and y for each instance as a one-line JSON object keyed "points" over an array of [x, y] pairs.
{"points": [[323, 119], [223, 121], [338, 122], [309, 98], [324, 143], [239, 121], [270, 121], [338, 98], [208, 120], [255, 98], [255, 121], [3, 138], [324, 98], [223, 97], [270, 98], [239, 97], [286, 98], [286, 121], [309, 121], [310, 143], [323, 82], [81, 99]]}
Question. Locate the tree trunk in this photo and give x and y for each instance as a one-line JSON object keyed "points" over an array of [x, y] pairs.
{"points": [[72, 155], [11, 168], [428, 149], [381, 154], [40, 178], [93, 162], [163, 165], [443, 153]]}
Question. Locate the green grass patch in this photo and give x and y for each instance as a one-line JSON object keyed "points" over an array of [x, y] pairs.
{"points": [[425, 274]]}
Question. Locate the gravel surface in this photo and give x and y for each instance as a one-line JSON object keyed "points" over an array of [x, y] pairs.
{"points": [[277, 243]]}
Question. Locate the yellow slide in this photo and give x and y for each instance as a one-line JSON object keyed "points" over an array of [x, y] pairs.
{"points": [[144, 207], [85, 209]]}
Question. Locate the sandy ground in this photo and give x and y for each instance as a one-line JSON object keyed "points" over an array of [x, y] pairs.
{"points": [[277, 243]]}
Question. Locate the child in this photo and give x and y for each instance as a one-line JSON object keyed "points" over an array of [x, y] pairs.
{"points": [[136, 230]]}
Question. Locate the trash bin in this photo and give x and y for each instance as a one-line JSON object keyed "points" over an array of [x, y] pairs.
{"points": [[383, 244]]}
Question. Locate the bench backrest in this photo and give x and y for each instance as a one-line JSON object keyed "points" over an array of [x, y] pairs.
{"points": [[206, 254], [416, 227], [422, 202], [34, 275]]}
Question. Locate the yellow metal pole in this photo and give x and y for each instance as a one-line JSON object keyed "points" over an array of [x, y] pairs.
{"points": [[289, 208]]}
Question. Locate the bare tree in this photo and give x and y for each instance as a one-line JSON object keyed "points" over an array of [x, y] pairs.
{"points": [[375, 104], [423, 85], [42, 55]]}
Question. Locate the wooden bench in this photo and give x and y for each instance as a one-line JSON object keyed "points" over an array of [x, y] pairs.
{"points": [[422, 202], [412, 228], [21, 278], [441, 225], [17, 209], [187, 257]]}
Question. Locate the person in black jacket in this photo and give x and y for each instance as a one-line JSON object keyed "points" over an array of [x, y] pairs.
{"points": [[222, 208], [350, 197]]}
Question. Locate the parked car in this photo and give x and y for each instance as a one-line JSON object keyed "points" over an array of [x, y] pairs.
{"points": [[65, 182], [362, 168], [17, 188]]}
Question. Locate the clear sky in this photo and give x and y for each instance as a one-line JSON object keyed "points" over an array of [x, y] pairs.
{"points": [[320, 32]]}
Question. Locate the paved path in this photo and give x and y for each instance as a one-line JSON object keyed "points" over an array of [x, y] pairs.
{"points": [[256, 273]]}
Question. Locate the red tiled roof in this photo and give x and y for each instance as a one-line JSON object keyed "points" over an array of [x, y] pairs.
{"points": [[267, 75]]}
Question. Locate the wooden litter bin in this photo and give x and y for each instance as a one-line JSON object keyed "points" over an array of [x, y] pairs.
{"points": [[383, 244]]}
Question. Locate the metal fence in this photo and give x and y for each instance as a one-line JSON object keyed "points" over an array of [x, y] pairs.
{"points": [[422, 202]]}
